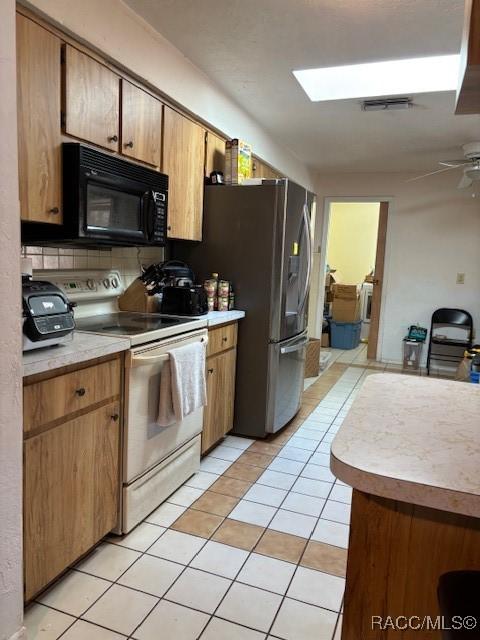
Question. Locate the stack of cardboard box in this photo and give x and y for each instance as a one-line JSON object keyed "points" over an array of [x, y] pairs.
{"points": [[329, 282], [346, 302]]}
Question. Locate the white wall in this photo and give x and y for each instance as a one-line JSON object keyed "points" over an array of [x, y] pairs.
{"points": [[117, 32], [11, 585], [433, 233]]}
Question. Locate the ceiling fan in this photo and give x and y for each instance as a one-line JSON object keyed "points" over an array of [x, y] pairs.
{"points": [[470, 164]]}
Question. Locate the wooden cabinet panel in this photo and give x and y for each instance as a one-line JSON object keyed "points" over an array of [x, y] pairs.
{"points": [[62, 395], [214, 154], [39, 142], [222, 338], [262, 170], [183, 162], [218, 416], [70, 493], [141, 124], [92, 100], [468, 92]]}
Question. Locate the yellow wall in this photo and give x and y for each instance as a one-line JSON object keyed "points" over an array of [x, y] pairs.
{"points": [[352, 239]]}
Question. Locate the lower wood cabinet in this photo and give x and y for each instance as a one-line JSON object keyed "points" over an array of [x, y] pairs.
{"points": [[71, 490], [221, 364]]}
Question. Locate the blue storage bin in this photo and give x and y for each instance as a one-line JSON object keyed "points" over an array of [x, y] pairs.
{"points": [[345, 335]]}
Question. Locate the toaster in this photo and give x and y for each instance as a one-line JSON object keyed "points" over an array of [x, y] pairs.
{"points": [[47, 315], [184, 301]]}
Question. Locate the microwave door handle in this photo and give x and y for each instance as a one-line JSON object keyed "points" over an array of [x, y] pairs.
{"points": [[148, 216], [309, 257]]}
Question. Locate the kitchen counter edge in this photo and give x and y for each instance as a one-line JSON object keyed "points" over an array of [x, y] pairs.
{"points": [[385, 468], [83, 347]]}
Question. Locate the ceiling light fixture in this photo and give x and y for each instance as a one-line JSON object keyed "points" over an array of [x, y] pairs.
{"points": [[388, 78]]}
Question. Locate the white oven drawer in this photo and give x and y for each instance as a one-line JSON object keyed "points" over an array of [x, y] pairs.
{"points": [[145, 494], [145, 442]]}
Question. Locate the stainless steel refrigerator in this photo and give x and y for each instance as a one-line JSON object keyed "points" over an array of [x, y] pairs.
{"points": [[258, 236]]}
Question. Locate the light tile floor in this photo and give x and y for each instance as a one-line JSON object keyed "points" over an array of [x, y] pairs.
{"points": [[253, 546]]}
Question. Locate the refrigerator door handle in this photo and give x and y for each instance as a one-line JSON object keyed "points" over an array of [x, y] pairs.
{"points": [[309, 257], [294, 347]]}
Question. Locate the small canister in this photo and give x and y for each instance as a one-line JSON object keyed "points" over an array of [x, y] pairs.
{"points": [[223, 303], [223, 288]]}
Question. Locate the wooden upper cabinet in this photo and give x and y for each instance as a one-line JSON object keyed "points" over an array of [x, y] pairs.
{"points": [[39, 140], [468, 94], [262, 170], [92, 100], [141, 125], [183, 162], [214, 154]]}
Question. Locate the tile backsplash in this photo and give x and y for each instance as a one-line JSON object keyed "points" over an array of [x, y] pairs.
{"points": [[127, 260]]}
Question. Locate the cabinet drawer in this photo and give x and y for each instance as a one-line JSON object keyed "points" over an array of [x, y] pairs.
{"points": [[222, 338], [57, 397]]}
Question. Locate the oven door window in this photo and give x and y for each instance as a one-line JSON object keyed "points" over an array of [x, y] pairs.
{"points": [[114, 213]]}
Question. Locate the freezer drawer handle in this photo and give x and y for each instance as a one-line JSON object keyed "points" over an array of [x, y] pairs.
{"points": [[295, 347]]}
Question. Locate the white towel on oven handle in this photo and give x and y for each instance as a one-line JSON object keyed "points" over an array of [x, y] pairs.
{"points": [[183, 387]]}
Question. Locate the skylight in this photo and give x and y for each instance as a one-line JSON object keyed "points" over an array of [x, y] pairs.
{"points": [[374, 79]]}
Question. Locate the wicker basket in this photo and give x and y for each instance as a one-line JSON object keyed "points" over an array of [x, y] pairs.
{"points": [[312, 361]]}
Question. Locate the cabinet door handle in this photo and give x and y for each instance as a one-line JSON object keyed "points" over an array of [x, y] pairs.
{"points": [[210, 371], [54, 210], [129, 144], [80, 392], [113, 138], [115, 417]]}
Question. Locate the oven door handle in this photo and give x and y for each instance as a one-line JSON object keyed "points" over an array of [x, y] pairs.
{"points": [[138, 361]]}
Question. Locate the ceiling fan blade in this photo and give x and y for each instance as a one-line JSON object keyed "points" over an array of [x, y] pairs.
{"points": [[432, 173], [465, 182], [454, 163]]}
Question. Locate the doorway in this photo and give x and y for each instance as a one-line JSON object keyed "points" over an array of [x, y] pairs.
{"points": [[352, 253]]}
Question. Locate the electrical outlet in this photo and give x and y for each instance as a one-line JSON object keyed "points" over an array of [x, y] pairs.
{"points": [[460, 278]]}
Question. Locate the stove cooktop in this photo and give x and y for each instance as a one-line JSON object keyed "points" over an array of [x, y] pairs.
{"points": [[140, 328], [126, 323]]}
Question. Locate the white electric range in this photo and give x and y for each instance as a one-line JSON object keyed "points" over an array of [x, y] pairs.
{"points": [[156, 460]]}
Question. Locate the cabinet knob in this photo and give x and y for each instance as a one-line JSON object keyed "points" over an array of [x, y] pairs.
{"points": [[210, 371], [80, 392], [115, 417], [113, 138], [54, 210], [225, 338], [169, 228], [129, 144]]}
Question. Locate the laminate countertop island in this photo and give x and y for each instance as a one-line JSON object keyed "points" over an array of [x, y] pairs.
{"points": [[410, 448]]}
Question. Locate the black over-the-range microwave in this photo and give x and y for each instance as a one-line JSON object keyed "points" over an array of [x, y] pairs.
{"points": [[106, 200]]}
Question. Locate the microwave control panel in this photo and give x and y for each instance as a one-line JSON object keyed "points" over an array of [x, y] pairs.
{"points": [[160, 217]]}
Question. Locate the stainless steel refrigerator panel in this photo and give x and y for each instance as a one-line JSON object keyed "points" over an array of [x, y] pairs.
{"points": [[239, 243], [286, 374], [296, 265]]}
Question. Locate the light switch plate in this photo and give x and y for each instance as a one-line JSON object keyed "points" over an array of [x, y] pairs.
{"points": [[460, 278]]}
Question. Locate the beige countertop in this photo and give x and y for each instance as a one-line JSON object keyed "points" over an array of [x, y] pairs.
{"points": [[415, 440], [214, 318], [87, 346], [83, 347]]}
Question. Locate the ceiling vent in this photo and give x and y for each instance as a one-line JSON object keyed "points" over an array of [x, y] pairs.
{"points": [[386, 104]]}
